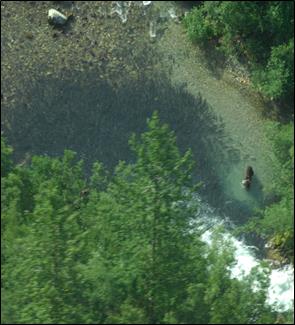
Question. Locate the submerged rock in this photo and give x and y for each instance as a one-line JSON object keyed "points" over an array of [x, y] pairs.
{"points": [[152, 30], [56, 18]]}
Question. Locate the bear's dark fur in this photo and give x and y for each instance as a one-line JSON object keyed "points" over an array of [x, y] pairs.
{"points": [[248, 177]]}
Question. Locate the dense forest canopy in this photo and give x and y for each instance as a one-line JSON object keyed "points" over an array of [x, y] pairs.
{"points": [[117, 248]]}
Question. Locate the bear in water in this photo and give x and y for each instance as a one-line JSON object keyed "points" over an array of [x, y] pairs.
{"points": [[248, 177]]}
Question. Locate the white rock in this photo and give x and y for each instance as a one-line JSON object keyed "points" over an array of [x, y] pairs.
{"points": [[56, 18]]}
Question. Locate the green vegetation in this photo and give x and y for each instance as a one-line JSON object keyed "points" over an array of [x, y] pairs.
{"points": [[117, 249], [258, 33]]}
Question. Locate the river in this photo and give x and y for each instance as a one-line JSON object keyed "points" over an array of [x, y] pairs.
{"points": [[90, 87]]}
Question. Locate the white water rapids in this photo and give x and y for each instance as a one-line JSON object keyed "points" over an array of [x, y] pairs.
{"points": [[281, 290]]}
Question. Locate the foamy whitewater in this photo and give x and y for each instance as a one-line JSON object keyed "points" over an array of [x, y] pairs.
{"points": [[281, 290]]}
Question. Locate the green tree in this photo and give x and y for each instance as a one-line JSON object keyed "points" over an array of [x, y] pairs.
{"points": [[143, 227], [277, 79], [278, 218], [6, 162], [44, 242]]}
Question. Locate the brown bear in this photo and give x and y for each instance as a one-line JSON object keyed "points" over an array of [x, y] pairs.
{"points": [[248, 177]]}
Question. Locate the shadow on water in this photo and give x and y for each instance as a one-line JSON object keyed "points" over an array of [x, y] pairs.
{"points": [[256, 189], [89, 116]]}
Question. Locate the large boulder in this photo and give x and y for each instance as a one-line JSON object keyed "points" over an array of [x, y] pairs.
{"points": [[56, 18]]}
